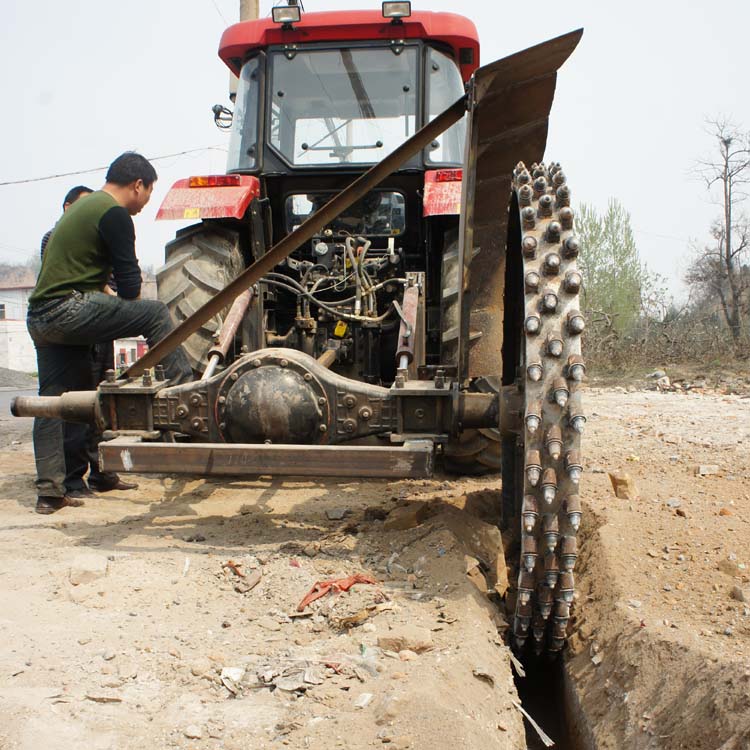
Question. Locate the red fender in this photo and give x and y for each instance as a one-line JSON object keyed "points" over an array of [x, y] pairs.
{"points": [[209, 200]]}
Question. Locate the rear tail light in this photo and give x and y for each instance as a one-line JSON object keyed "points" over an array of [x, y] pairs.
{"points": [[215, 180], [449, 175]]}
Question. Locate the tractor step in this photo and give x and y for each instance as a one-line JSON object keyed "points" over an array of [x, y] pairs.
{"points": [[413, 459]]}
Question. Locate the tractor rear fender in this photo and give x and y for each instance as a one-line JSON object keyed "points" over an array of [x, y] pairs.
{"points": [[208, 198]]}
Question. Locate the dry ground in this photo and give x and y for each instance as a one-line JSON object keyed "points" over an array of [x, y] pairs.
{"points": [[659, 652]]}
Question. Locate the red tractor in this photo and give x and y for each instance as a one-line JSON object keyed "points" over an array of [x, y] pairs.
{"points": [[377, 281]]}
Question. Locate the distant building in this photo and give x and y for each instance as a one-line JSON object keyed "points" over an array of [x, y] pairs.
{"points": [[16, 347]]}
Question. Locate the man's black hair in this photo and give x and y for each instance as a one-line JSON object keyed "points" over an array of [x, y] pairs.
{"points": [[129, 167], [75, 193]]}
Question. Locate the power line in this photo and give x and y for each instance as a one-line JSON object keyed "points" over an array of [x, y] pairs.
{"points": [[226, 23], [102, 169]]}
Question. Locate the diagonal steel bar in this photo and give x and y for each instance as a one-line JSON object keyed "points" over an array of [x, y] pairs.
{"points": [[308, 229]]}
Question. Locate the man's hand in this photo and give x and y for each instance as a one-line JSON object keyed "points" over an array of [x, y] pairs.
{"points": [[108, 290]]}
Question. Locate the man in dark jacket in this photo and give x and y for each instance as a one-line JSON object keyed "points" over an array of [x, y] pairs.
{"points": [[72, 307]]}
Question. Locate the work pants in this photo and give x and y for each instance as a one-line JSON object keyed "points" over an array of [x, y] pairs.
{"points": [[63, 331]]}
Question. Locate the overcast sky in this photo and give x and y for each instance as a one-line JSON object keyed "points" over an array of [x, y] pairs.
{"points": [[85, 80]]}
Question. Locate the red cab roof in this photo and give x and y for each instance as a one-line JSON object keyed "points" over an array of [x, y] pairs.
{"points": [[354, 25]]}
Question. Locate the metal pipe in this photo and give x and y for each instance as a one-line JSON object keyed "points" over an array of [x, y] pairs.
{"points": [[407, 331], [213, 363], [327, 358], [231, 324], [74, 406], [309, 228]]}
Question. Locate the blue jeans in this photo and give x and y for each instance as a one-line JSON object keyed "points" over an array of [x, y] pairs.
{"points": [[63, 331]]}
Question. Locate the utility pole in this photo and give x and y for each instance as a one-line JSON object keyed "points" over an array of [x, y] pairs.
{"points": [[249, 11]]}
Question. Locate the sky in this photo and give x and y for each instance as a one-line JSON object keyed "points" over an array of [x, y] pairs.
{"points": [[87, 79]]}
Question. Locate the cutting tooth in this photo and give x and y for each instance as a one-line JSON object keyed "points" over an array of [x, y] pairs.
{"points": [[532, 325], [566, 217], [570, 248], [560, 628], [529, 552], [523, 618], [549, 485], [562, 196], [551, 266], [533, 416], [520, 167], [573, 465], [529, 513], [520, 642], [538, 626], [545, 207], [544, 599], [568, 553], [553, 232], [556, 644], [554, 344], [533, 468], [549, 301], [534, 371], [551, 570], [566, 589], [523, 177], [576, 323], [572, 282], [573, 509], [559, 179], [553, 442], [532, 280], [576, 417], [562, 608], [528, 247], [525, 586], [560, 391], [576, 367], [525, 194], [529, 217], [551, 530], [540, 186]]}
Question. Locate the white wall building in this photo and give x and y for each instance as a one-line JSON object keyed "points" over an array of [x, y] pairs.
{"points": [[16, 347]]}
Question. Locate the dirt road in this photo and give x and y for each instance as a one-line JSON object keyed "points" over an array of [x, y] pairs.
{"points": [[124, 622]]}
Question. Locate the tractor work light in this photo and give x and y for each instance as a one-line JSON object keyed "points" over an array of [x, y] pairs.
{"points": [[396, 10], [287, 14]]}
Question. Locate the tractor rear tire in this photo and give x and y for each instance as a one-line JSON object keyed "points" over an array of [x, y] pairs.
{"points": [[199, 262]]}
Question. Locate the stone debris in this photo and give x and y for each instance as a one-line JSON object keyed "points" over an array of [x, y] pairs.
{"points": [[623, 486], [705, 470], [406, 638], [87, 568], [336, 514], [363, 700], [740, 594], [406, 517], [193, 732]]}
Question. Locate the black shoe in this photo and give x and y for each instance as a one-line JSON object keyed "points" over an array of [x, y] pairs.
{"points": [[48, 505], [80, 493], [107, 485]]}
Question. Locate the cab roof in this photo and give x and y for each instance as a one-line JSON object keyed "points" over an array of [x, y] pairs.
{"points": [[459, 33]]}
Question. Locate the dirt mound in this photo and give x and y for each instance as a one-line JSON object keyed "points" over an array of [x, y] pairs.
{"points": [[16, 379]]}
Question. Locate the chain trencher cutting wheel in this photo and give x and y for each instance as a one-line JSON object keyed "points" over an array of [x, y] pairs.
{"points": [[552, 370]]}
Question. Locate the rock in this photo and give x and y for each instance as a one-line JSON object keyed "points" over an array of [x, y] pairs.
{"points": [[336, 514], [740, 594], [623, 486], [406, 637], [681, 513], [635, 603], [364, 700], [597, 659], [87, 568], [103, 698], [729, 567], [663, 383], [725, 512], [705, 470], [374, 513], [268, 623], [674, 502], [233, 673], [311, 549], [656, 375], [407, 655], [201, 666], [193, 732], [406, 517]]}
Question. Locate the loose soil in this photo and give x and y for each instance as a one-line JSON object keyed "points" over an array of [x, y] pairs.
{"points": [[135, 654]]}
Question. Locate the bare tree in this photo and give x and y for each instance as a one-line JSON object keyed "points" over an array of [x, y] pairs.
{"points": [[717, 270]]}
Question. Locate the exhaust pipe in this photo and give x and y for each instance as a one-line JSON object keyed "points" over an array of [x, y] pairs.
{"points": [[74, 406]]}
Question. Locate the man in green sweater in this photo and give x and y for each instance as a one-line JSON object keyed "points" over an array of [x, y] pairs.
{"points": [[72, 307]]}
